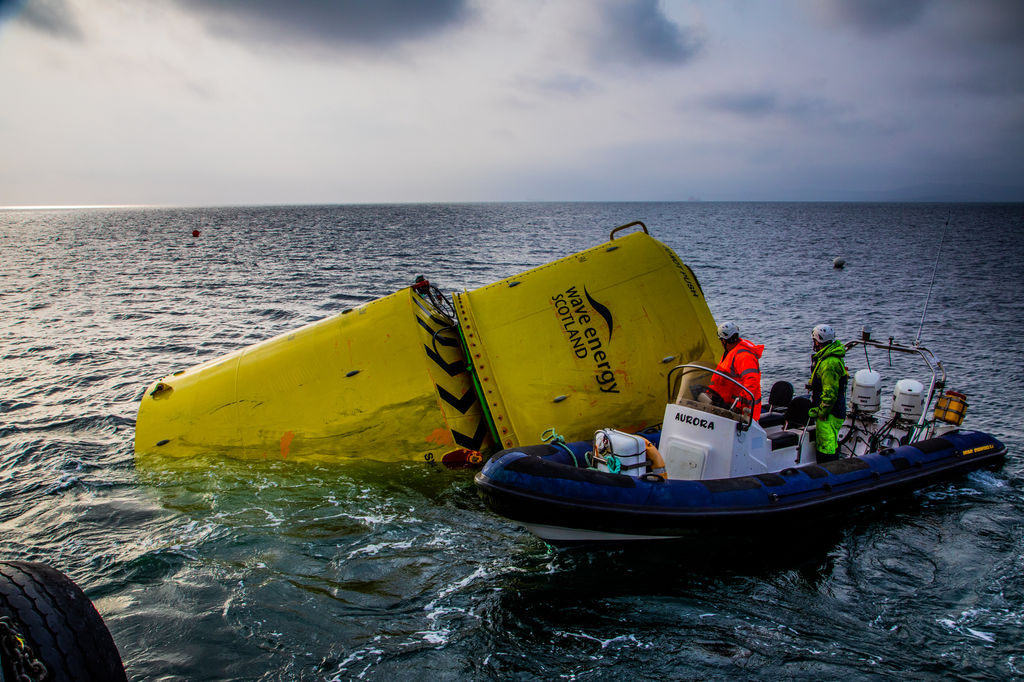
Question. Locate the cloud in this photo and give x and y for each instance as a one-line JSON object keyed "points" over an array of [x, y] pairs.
{"points": [[630, 32], [561, 83], [639, 31], [8, 7], [340, 24], [745, 104], [357, 101], [807, 111], [1001, 21], [870, 16], [978, 21], [53, 17]]}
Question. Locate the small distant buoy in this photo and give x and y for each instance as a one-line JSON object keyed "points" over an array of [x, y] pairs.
{"points": [[195, 233], [838, 263]]}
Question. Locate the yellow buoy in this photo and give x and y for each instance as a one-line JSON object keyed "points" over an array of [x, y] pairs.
{"points": [[580, 343]]}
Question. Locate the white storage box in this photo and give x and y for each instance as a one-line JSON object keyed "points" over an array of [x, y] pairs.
{"points": [[619, 452]]}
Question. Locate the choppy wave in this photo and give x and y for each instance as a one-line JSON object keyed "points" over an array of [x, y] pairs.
{"points": [[285, 571]]}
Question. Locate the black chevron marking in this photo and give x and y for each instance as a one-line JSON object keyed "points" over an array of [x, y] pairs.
{"points": [[453, 368], [434, 318], [461, 404], [436, 334], [477, 441]]}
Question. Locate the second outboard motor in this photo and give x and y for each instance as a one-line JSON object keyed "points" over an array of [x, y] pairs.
{"points": [[908, 399]]}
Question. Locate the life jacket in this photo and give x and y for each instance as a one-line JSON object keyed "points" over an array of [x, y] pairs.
{"points": [[741, 363]]}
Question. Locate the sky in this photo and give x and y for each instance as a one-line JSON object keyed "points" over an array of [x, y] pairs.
{"points": [[229, 102]]}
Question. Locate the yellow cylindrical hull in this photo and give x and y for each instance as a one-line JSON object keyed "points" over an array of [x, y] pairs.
{"points": [[586, 341], [366, 383]]}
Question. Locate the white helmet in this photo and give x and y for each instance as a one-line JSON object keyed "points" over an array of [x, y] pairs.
{"points": [[823, 334], [728, 330]]}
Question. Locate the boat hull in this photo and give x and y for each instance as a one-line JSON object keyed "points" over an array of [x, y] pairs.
{"points": [[542, 488]]}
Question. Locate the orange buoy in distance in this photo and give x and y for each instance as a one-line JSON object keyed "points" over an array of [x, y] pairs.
{"points": [[195, 233]]}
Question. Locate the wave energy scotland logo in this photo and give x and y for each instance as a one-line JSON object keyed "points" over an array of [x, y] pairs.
{"points": [[580, 317]]}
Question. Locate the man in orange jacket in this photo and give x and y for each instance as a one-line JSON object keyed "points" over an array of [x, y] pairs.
{"points": [[740, 361]]}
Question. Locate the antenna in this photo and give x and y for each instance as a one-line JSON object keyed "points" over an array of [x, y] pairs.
{"points": [[917, 341]]}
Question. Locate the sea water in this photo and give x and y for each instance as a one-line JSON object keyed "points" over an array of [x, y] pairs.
{"points": [[283, 571]]}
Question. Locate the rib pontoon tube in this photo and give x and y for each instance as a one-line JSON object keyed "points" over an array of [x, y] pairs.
{"points": [[544, 488], [592, 335]]}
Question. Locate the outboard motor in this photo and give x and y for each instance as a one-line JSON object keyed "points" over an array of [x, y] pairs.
{"points": [[866, 394], [858, 433], [908, 399]]}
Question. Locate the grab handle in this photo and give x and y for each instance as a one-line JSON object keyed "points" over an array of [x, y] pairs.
{"points": [[611, 236]]}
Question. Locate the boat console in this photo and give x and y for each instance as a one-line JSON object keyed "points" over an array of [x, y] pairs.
{"points": [[702, 440]]}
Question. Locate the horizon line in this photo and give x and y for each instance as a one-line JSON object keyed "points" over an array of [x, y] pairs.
{"points": [[693, 200], [43, 207]]}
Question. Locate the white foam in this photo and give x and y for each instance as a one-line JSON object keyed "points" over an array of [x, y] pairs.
{"points": [[987, 636]]}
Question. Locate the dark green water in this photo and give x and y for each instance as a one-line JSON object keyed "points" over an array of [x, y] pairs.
{"points": [[285, 571]]}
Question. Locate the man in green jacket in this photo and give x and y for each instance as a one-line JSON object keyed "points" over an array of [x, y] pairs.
{"points": [[828, 391]]}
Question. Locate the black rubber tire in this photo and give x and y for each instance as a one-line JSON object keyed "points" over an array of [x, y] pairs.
{"points": [[59, 624]]}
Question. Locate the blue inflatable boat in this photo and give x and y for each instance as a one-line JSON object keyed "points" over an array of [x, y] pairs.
{"points": [[711, 470]]}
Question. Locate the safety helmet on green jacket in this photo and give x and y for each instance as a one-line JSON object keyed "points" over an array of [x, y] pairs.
{"points": [[823, 334], [728, 331]]}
